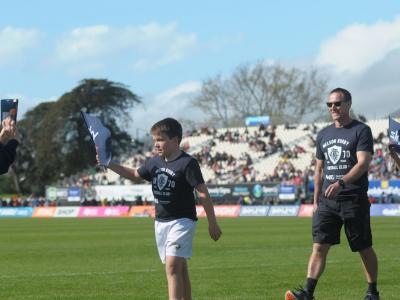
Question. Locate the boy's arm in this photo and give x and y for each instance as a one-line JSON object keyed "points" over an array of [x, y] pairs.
{"points": [[213, 228], [128, 173]]}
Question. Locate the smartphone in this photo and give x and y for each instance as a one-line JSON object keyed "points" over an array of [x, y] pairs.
{"points": [[9, 108]]}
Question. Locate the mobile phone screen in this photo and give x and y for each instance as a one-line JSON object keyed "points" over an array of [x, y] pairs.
{"points": [[9, 108]]}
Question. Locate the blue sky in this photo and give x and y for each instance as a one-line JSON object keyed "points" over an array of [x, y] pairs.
{"points": [[164, 49]]}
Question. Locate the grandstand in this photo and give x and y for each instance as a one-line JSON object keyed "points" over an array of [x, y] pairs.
{"points": [[259, 149]]}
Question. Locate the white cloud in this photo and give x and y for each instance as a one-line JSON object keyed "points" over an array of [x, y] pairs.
{"points": [[83, 43], [144, 47], [359, 46], [14, 42], [175, 103]]}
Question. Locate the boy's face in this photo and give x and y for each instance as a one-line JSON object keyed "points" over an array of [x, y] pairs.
{"points": [[163, 145]]}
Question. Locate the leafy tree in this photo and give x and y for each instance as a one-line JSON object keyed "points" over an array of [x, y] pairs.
{"points": [[55, 142]]}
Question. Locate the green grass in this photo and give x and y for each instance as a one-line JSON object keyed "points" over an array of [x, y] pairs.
{"points": [[256, 258]]}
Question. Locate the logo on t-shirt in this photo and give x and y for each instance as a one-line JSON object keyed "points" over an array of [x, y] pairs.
{"points": [[334, 154], [162, 180]]}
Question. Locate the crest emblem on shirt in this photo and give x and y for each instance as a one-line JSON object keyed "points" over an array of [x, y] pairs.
{"points": [[334, 153], [162, 180]]}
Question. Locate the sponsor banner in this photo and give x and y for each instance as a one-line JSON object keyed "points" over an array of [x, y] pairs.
{"points": [[62, 193], [219, 191], [51, 193], [283, 210], [67, 212], [127, 192], [241, 190], [44, 212], [388, 210], [16, 212], [103, 211], [116, 211], [254, 211], [220, 211], [142, 211], [287, 192], [381, 188], [234, 192], [91, 212], [74, 194], [257, 120], [306, 210]]}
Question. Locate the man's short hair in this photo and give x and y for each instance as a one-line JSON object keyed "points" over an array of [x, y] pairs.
{"points": [[345, 93], [170, 127]]}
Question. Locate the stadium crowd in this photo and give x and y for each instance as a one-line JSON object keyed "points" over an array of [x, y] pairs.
{"points": [[232, 167]]}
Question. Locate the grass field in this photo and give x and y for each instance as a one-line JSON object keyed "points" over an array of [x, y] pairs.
{"points": [[256, 258]]}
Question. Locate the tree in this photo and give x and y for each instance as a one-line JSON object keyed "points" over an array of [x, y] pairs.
{"points": [[55, 140], [260, 89]]}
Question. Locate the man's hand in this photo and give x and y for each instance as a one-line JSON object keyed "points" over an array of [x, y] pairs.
{"points": [[332, 190], [315, 207], [8, 130]]}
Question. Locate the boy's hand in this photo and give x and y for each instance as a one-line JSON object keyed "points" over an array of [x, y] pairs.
{"points": [[215, 231]]}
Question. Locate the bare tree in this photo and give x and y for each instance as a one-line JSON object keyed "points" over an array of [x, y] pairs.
{"points": [[260, 89], [214, 100]]}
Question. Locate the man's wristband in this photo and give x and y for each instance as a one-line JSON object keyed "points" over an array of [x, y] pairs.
{"points": [[341, 183]]}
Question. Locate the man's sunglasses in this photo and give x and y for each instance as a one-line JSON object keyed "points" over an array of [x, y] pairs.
{"points": [[337, 104]]}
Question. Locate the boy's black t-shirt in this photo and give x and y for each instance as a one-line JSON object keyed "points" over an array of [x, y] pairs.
{"points": [[338, 147], [173, 184]]}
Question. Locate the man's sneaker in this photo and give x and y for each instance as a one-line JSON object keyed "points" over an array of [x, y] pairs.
{"points": [[298, 294], [370, 296]]}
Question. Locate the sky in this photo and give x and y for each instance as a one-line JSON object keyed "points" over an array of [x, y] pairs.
{"points": [[164, 50]]}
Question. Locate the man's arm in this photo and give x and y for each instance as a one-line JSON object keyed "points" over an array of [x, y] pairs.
{"points": [[8, 144], [213, 228], [363, 160], [362, 165], [318, 181]]}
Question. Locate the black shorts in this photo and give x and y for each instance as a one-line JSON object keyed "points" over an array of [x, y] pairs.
{"points": [[353, 212]]}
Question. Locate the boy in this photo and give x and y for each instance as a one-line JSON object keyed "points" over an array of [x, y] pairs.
{"points": [[174, 176]]}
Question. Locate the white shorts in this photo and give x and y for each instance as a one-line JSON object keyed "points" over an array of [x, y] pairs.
{"points": [[174, 238]]}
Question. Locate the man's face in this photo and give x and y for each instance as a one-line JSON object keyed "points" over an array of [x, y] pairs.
{"points": [[163, 145], [338, 107]]}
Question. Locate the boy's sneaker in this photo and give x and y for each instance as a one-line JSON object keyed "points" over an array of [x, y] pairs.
{"points": [[299, 294], [370, 296]]}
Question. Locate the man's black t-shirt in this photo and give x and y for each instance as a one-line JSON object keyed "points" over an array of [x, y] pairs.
{"points": [[7, 155], [338, 148], [173, 184]]}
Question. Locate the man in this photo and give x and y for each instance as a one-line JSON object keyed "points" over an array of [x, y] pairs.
{"points": [[344, 151], [174, 176], [8, 144]]}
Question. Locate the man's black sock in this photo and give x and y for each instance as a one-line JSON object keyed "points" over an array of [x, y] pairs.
{"points": [[311, 283], [372, 288]]}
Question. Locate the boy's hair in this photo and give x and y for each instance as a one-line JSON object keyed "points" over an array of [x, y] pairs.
{"points": [[345, 93], [170, 127]]}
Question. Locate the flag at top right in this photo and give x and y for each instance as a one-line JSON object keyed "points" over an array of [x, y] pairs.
{"points": [[394, 134]]}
